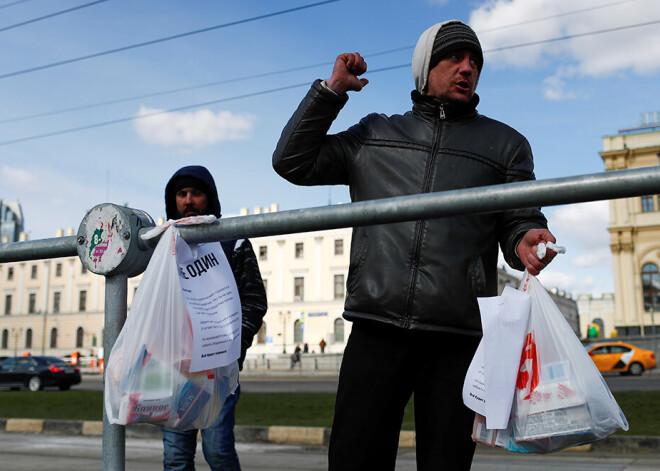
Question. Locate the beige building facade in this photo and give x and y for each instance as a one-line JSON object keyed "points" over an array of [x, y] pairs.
{"points": [[634, 228]]}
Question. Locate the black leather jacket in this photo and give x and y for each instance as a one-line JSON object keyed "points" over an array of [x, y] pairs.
{"points": [[424, 274]]}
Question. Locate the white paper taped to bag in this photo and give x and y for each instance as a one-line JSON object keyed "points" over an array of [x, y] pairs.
{"points": [[491, 378], [213, 302]]}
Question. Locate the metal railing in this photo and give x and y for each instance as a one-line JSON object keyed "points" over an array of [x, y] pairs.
{"points": [[601, 186]]}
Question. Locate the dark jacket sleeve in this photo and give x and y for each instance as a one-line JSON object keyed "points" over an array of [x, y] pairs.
{"points": [[252, 293], [512, 225], [306, 154]]}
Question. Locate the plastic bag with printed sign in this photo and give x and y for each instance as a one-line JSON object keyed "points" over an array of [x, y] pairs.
{"points": [[561, 398], [148, 377]]}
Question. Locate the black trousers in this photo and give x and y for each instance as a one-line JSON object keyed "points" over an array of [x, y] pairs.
{"points": [[382, 368]]}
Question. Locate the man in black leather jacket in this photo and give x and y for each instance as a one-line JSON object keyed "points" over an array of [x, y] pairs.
{"points": [[412, 287]]}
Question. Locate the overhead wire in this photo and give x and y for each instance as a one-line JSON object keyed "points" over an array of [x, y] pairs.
{"points": [[249, 77], [51, 15], [288, 87], [6, 5], [185, 89], [558, 15], [176, 110], [160, 40]]}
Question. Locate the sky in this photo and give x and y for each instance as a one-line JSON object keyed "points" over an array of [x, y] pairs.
{"points": [[102, 101]]}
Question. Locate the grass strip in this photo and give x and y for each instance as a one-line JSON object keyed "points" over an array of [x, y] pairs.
{"points": [[264, 409]]}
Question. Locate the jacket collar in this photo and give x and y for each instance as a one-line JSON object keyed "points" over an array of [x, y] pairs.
{"points": [[431, 107]]}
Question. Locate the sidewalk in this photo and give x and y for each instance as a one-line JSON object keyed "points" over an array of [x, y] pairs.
{"points": [[288, 435]]}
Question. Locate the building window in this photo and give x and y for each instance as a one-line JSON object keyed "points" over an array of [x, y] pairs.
{"points": [[651, 286], [300, 252], [261, 335], [263, 252], [57, 297], [32, 303], [5, 339], [339, 331], [53, 337], [647, 203], [83, 269], [58, 269], [33, 273], [298, 331], [82, 301], [10, 273], [339, 246], [339, 286], [80, 333], [8, 304], [28, 338], [265, 281], [298, 288]]}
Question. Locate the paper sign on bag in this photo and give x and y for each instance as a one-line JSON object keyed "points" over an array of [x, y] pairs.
{"points": [[491, 378], [211, 295]]}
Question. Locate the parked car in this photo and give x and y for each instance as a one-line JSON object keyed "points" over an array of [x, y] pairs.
{"points": [[36, 373], [621, 357]]}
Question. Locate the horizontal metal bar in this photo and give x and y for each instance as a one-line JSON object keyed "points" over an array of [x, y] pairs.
{"points": [[39, 249], [550, 192]]}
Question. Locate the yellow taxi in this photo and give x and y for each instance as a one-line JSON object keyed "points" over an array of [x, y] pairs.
{"points": [[621, 357]]}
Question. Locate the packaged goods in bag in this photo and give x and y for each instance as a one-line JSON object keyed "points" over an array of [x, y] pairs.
{"points": [[561, 399], [163, 369]]}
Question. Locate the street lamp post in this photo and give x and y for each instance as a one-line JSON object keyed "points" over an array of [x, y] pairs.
{"points": [[284, 316], [17, 332]]}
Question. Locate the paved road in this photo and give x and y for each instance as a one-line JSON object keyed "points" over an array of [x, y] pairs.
{"points": [[27, 452], [327, 383]]}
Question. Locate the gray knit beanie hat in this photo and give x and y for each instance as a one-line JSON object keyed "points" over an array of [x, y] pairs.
{"points": [[438, 41]]}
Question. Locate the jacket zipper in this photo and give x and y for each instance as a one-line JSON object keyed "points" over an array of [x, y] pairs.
{"points": [[420, 225]]}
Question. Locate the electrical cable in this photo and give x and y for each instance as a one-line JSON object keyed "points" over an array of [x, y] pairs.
{"points": [[185, 89], [51, 15], [6, 5], [558, 15], [160, 40], [211, 84], [207, 103]]}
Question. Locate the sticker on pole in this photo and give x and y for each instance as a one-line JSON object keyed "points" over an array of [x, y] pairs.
{"points": [[211, 295]]}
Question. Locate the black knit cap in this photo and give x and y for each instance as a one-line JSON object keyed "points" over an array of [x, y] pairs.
{"points": [[452, 36], [190, 182]]}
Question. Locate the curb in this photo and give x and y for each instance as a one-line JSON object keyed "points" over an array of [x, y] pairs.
{"points": [[244, 433], [289, 435]]}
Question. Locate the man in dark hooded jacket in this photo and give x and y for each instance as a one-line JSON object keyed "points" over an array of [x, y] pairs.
{"points": [[412, 287], [192, 192]]}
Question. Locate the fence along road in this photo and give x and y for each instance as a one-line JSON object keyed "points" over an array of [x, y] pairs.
{"points": [[551, 192]]}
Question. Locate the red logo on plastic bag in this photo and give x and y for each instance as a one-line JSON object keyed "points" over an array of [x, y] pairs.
{"points": [[529, 367]]}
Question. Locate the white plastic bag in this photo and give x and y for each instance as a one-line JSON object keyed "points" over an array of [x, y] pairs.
{"points": [[561, 398], [148, 377]]}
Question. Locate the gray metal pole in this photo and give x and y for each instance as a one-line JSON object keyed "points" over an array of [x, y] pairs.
{"points": [[39, 249], [114, 436], [551, 192]]}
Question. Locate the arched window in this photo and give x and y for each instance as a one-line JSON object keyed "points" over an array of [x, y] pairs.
{"points": [[261, 335], [651, 286], [53, 337], [298, 331], [80, 333], [5, 339], [339, 330], [28, 338]]}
